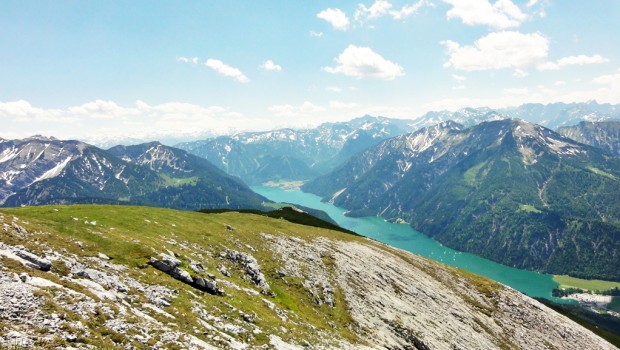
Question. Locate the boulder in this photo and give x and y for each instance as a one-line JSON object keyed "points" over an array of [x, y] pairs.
{"points": [[170, 265]]}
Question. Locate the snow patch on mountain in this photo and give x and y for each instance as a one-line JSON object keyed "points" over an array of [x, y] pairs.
{"points": [[55, 171]]}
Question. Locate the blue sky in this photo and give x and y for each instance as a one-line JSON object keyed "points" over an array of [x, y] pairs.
{"points": [[86, 69]]}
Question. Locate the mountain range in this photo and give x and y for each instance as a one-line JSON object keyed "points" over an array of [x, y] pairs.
{"points": [[603, 134], [39, 170], [552, 115], [302, 154], [290, 154], [508, 190]]}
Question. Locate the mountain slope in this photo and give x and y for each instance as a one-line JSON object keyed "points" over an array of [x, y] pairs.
{"points": [[508, 190], [604, 134], [146, 277], [289, 154], [42, 171]]}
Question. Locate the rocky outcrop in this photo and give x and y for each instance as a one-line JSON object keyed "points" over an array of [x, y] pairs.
{"points": [[169, 264], [25, 257], [250, 267]]}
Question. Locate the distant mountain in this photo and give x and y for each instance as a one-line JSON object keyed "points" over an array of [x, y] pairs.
{"points": [[605, 134], [38, 171], [508, 190], [555, 115], [551, 115], [289, 154]]}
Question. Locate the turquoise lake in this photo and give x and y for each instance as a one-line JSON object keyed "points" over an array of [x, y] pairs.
{"points": [[403, 236]]}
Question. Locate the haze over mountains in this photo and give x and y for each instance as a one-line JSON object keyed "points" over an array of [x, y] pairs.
{"points": [[257, 157], [506, 189]]}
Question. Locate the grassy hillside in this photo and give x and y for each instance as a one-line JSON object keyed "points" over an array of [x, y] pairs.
{"points": [[318, 287], [131, 235]]}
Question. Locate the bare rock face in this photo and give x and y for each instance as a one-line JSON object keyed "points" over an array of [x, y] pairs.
{"points": [[250, 265]]}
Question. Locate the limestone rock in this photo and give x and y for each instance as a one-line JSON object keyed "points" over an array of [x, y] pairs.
{"points": [[34, 260]]}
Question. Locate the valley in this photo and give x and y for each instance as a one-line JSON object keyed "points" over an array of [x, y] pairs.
{"points": [[404, 237], [310, 175]]}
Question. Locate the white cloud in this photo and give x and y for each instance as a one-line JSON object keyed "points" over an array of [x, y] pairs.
{"points": [[99, 120], [288, 110], [409, 10], [517, 91], [609, 79], [604, 89], [382, 8], [531, 3], [458, 77], [194, 60], [376, 10], [520, 73], [226, 70], [572, 60], [497, 50], [503, 14], [335, 17], [342, 105], [333, 89], [23, 111], [270, 66], [102, 109], [316, 34], [363, 62]]}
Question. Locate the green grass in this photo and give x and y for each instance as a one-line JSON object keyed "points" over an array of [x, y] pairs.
{"points": [[130, 235], [593, 285], [177, 181], [528, 208], [602, 173], [471, 174]]}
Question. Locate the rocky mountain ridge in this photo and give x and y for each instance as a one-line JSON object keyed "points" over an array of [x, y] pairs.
{"points": [[603, 134], [39, 170], [121, 277]]}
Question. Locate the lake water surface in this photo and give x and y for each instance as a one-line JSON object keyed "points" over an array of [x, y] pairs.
{"points": [[403, 236]]}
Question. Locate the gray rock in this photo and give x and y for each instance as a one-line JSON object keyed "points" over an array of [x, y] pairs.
{"points": [[170, 265], [196, 267], [103, 256], [223, 270], [250, 265], [34, 261], [24, 277], [208, 286]]}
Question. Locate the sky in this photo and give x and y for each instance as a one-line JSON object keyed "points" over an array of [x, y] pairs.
{"points": [[151, 69]]}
